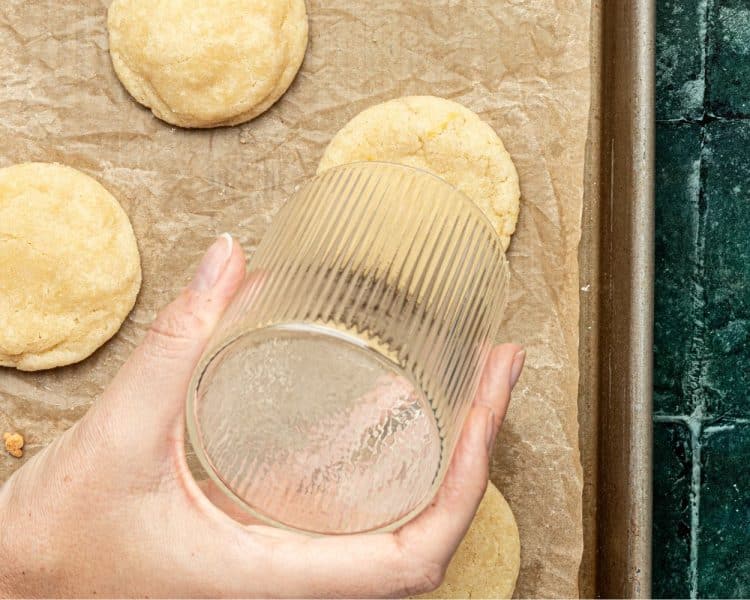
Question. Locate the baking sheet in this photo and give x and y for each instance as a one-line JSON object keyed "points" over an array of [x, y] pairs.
{"points": [[523, 66], [616, 263]]}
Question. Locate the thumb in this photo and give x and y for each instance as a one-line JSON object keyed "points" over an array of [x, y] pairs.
{"points": [[153, 383]]}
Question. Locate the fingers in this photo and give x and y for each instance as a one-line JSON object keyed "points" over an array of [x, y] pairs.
{"points": [[153, 382], [468, 470], [413, 559], [436, 533], [499, 377]]}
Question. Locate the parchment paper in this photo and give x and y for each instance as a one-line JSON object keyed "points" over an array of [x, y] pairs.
{"points": [[523, 65]]}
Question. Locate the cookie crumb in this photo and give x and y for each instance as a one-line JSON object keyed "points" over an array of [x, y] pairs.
{"points": [[14, 444]]}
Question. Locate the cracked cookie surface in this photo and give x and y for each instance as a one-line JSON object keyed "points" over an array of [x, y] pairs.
{"points": [[442, 137], [70, 266], [207, 64]]}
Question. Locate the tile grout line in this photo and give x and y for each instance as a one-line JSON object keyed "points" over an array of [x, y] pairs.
{"points": [[692, 380], [694, 424], [695, 374], [711, 429], [709, 424], [703, 120], [695, 485]]}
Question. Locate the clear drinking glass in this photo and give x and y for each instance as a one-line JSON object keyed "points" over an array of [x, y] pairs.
{"points": [[332, 395]]}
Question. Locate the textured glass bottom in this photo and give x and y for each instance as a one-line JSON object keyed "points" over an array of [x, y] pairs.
{"points": [[312, 428]]}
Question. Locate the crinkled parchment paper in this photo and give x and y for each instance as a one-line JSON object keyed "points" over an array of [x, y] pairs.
{"points": [[523, 65]]}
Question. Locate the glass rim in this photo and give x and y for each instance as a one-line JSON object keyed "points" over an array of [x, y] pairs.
{"points": [[194, 436]]}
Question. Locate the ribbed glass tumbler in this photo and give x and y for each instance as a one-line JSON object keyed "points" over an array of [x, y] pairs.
{"points": [[332, 395]]}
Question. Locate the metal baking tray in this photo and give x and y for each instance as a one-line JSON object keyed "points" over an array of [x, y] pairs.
{"points": [[616, 261]]}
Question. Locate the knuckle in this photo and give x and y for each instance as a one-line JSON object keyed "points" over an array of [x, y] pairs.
{"points": [[93, 441], [174, 330], [418, 574], [428, 577], [480, 485]]}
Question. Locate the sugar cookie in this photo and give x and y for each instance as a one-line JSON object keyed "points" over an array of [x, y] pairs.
{"points": [[70, 266], [440, 136], [207, 64]]}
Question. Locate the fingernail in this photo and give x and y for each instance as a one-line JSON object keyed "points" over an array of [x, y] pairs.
{"points": [[213, 264], [517, 367], [490, 431]]}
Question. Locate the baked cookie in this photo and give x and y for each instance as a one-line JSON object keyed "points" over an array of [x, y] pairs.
{"points": [[70, 266], [207, 64], [440, 136], [486, 563]]}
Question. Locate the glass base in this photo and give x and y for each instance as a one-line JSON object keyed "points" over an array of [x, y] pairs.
{"points": [[315, 429]]}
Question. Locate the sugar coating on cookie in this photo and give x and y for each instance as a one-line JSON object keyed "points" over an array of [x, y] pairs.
{"points": [[440, 136], [70, 266], [487, 562], [207, 64]]}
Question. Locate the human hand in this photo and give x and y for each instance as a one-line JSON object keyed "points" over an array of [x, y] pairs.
{"points": [[111, 509]]}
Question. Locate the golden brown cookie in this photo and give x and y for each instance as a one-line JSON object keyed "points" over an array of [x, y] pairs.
{"points": [[70, 266], [206, 64], [440, 136]]}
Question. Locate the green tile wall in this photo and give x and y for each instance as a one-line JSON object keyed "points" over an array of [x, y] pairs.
{"points": [[678, 184], [672, 511], [728, 75], [702, 305], [724, 532], [680, 72], [726, 189]]}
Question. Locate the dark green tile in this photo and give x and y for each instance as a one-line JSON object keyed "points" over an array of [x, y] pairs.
{"points": [[726, 378], [680, 33], [678, 150], [670, 403], [724, 532], [672, 508], [728, 64]]}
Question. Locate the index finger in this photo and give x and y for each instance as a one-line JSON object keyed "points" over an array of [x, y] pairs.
{"points": [[438, 530]]}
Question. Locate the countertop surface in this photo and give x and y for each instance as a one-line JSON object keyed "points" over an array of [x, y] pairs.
{"points": [[702, 330]]}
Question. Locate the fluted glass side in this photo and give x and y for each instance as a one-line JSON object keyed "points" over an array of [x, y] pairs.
{"points": [[332, 395]]}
